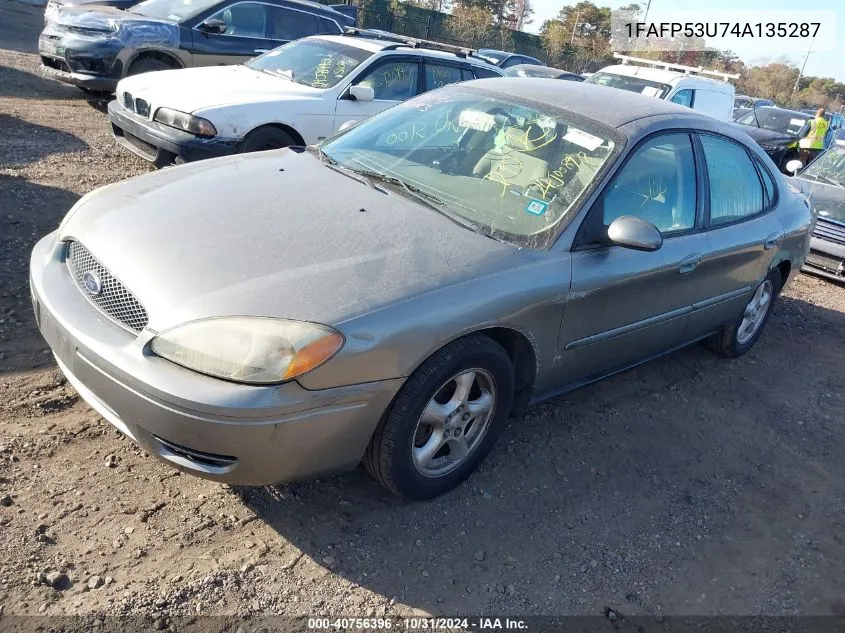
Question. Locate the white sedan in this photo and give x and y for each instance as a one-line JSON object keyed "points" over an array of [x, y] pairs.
{"points": [[296, 94]]}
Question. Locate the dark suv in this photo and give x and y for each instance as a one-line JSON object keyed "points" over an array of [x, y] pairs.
{"points": [[93, 47]]}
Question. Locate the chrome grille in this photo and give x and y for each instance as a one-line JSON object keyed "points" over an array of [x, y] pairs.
{"points": [[114, 300], [824, 261], [830, 231]]}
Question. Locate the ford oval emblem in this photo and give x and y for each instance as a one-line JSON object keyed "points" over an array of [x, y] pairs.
{"points": [[92, 283]]}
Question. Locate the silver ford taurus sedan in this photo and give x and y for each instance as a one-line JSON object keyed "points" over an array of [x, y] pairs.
{"points": [[394, 294]]}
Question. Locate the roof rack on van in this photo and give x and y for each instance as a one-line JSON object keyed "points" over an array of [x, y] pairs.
{"points": [[687, 69], [412, 42]]}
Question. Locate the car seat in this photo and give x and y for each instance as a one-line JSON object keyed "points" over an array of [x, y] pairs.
{"points": [[513, 161]]}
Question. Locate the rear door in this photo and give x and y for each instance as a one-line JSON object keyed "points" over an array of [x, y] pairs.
{"points": [[438, 73], [247, 34], [627, 305], [742, 230]]}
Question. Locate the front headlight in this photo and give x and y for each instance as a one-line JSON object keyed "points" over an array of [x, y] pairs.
{"points": [[185, 122], [252, 350]]}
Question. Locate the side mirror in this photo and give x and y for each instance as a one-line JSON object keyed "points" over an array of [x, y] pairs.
{"points": [[361, 93], [633, 232], [213, 25], [793, 166], [347, 125]]}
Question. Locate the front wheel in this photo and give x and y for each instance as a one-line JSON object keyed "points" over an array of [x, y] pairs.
{"points": [[444, 420], [740, 336], [265, 138]]}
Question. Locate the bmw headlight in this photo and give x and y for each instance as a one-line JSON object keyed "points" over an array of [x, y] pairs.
{"points": [[251, 350], [185, 122]]}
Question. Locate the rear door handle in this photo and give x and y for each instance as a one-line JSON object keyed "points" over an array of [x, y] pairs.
{"points": [[689, 263], [772, 241]]}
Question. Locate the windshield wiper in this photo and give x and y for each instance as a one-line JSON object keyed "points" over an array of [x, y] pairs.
{"points": [[332, 164], [431, 201]]}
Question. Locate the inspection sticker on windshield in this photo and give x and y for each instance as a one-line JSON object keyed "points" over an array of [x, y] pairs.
{"points": [[537, 207], [585, 140], [798, 122]]}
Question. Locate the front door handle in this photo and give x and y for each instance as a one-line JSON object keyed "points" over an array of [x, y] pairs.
{"points": [[689, 263], [260, 51], [771, 241]]}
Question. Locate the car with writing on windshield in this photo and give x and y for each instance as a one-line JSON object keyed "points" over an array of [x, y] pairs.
{"points": [[777, 130], [505, 59], [823, 181], [93, 46], [394, 294], [545, 72], [297, 94]]}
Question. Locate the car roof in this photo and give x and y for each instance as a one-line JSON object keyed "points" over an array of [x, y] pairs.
{"points": [[317, 7], [660, 74], [548, 70], [610, 106], [376, 45]]}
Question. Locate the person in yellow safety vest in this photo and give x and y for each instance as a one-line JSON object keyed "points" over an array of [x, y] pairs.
{"points": [[813, 142]]}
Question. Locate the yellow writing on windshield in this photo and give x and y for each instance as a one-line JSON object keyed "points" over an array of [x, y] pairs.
{"points": [[555, 179]]}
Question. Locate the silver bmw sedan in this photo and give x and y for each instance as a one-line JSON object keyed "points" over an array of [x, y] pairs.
{"points": [[392, 295]]}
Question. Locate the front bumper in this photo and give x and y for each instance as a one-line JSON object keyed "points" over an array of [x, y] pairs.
{"points": [[826, 259], [94, 68], [232, 433], [161, 144]]}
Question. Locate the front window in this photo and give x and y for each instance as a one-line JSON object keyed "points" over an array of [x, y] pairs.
{"points": [[775, 120], [314, 62], [505, 168], [631, 84], [175, 10]]}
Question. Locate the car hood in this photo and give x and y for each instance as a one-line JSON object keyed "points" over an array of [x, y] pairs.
{"points": [[90, 18], [829, 200], [193, 89], [768, 137], [274, 234]]}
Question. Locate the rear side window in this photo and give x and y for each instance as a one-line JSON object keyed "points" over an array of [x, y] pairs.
{"points": [[437, 75], [735, 188], [287, 24], [769, 186], [328, 26], [484, 73]]}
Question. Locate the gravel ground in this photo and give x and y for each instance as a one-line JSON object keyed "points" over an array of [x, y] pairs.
{"points": [[692, 485]]}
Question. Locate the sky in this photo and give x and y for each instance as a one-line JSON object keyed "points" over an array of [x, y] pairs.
{"points": [[830, 63]]}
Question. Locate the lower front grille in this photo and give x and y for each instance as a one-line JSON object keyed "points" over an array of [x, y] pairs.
{"points": [[56, 64], [104, 290], [825, 262], [200, 458]]}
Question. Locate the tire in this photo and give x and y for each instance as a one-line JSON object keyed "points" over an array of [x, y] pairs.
{"points": [[733, 340], [265, 138], [392, 457], [148, 65]]}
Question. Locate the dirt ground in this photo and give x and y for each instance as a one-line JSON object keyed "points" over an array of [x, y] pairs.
{"points": [[692, 485]]}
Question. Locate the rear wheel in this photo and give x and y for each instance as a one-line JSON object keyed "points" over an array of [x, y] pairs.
{"points": [[266, 138], [444, 420], [739, 337]]}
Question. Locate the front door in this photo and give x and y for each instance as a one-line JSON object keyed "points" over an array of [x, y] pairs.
{"points": [[742, 230], [394, 79], [248, 27], [627, 305]]}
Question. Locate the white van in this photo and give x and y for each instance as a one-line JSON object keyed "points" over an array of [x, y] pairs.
{"points": [[685, 85]]}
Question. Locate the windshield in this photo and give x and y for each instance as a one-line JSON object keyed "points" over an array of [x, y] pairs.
{"points": [[313, 62], [631, 84], [775, 120], [508, 169], [175, 10], [829, 168], [491, 56]]}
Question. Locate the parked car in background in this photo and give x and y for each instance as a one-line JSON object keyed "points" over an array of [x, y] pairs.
{"points": [[93, 47], [297, 94], [545, 72], [743, 103], [777, 130], [684, 85], [823, 181], [504, 59], [394, 294]]}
